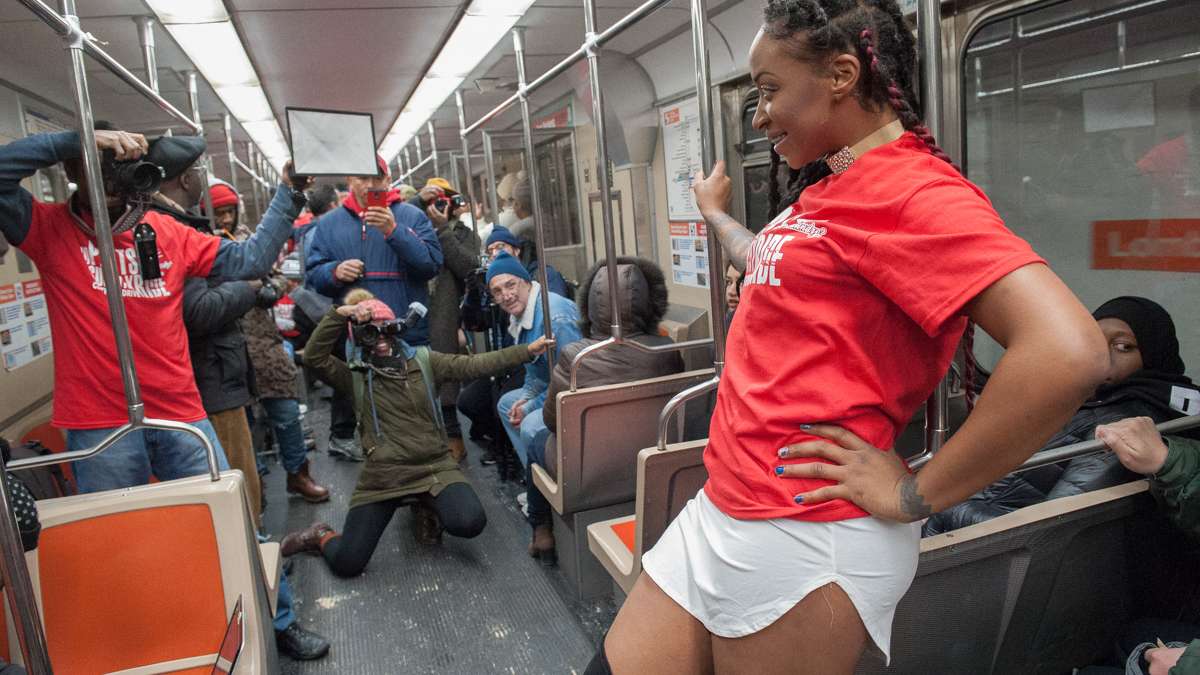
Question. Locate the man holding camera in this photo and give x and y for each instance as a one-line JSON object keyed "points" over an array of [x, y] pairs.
{"points": [[89, 399], [460, 247], [377, 242]]}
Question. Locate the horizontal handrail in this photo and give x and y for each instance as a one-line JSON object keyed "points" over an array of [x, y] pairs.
{"points": [[1066, 452], [650, 349], [400, 181], [61, 26], [677, 401], [210, 451], [574, 57], [250, 172]]}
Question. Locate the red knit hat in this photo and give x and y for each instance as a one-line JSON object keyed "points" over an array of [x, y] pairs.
{"points": [[379, 310], [222, 196]]}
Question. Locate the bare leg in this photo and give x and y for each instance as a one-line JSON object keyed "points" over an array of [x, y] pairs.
{"points": [[821, 635], [652, 634]]}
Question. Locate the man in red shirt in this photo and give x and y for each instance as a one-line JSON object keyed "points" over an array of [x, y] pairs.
{"points": [[89, 399]]}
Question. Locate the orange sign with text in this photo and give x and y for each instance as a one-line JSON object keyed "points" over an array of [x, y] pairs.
{"points": [[1163, 245]]}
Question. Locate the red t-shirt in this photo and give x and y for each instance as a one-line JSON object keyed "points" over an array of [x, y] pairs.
{"points": [[88, 392], [851, 311]]}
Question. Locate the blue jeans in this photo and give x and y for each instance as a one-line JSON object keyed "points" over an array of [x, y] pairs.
{"points": [[131, 461], [284, 416], [532, 426]]}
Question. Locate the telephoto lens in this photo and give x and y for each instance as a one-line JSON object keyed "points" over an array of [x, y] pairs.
{"points": [[138, 177]]}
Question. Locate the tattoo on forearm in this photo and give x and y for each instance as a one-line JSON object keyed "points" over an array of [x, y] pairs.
{"points": [[734, 238], [911, 501]]}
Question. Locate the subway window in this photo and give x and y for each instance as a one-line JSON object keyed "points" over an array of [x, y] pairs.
{"points": [[1082, 124]]}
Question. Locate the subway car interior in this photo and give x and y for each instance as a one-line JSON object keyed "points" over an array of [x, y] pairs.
{"points": [[575, 130]]}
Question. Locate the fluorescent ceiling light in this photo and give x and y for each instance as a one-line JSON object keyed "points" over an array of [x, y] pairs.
{"points": [[485, 23], [246, 103], [188, 11], [216, 51], [204, 32]]}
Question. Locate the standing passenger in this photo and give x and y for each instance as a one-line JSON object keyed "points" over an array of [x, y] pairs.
{"points": [[805, 538]]}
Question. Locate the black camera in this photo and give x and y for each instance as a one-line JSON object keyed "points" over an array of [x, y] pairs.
{"points": [[130, 176], [367, 335], [475, 311], [449, 204]]}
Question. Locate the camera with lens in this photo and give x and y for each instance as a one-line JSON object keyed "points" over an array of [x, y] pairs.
{"points": [[449, 204], [476, 309], [135, 176], [368, 334]]}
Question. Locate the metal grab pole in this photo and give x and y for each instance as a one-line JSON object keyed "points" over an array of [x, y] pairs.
{"points": [[145, 26], [232, 155], [68, 29], [194, 101], [535, 192], [437, 166], [408, 165], [708, 154], [489, 171], [466, 146], [937, 408], [606, 214], [255, 187], [18, 587]]}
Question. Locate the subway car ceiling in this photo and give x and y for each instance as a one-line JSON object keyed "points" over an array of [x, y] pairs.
{"points": [[369, 56]]}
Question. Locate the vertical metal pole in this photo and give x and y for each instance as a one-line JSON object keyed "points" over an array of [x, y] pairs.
{"points": [[437, 167], [18, 586], [233, 169], [606, 214], [145, 26], [408, 165], [466, 147], [535, 191], [255, 187], [489, 169], [929, 33], [420, 152], [194, 101], [708, 147]]}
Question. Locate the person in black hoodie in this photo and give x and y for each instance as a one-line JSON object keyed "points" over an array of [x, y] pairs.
{"points": [[1146, 379]]}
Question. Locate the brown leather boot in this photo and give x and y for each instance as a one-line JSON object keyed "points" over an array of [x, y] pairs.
{"points": [[427, 528], [542, 546], [457, 449], [300, 483], [305, 541]]}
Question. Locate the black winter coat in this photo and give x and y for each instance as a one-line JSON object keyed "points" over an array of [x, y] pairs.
{"points": [[220, 360]]}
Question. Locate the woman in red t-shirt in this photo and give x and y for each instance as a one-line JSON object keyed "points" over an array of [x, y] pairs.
{"points": [[855, 297]]}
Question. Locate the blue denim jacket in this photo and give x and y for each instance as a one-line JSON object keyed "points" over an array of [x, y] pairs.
{"points": [[564, 320]]}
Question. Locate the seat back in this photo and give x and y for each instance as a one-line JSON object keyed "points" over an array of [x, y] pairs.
{"points": [[1041, 590], [148, 576], [666, 481], [600, 430]]}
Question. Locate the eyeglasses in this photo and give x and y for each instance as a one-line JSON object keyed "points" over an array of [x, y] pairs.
{"points": [[500, 290]]}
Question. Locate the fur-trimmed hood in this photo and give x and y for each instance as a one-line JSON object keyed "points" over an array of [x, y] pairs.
{"points": [[642, 293]]}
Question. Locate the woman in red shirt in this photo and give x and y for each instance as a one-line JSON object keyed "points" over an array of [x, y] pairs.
{"points": [[855, 298]]}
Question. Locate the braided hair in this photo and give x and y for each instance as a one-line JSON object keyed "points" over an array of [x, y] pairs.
{"points": [[876, 32]]}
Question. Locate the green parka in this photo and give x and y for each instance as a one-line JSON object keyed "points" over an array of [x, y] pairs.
{"points": [[410, 456], [1177, 486]]}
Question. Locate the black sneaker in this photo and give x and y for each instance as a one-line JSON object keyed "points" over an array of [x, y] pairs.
{"points": [[300, 644], [488, 458]]}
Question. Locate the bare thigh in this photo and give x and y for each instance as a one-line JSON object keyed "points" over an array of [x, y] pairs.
{"points": [[652, 634], [821, 635]]}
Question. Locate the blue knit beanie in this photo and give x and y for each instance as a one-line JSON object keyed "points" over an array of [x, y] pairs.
{"points": [[506, 264], [501, 233]]}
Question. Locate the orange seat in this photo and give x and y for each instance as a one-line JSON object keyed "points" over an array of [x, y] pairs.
{"points": [[115, 599], [627, 532]]}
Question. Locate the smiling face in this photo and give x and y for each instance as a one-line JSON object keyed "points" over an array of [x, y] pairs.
{"points": [[511, 293], [1124, 357], [796, 101]]}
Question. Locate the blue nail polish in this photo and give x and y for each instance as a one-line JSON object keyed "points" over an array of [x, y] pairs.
{"points": [[806, 427], [779, 471], [799, 499]]}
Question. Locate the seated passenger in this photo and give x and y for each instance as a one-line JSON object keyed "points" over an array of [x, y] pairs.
{"points": [[519, 296], [407, 455], [502, 240], [642, 297], [1172, 464], [1146, 378]]}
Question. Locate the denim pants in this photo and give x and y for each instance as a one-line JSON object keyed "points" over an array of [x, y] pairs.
{"points": [[284, 416], [531, 427], [131, 461]]}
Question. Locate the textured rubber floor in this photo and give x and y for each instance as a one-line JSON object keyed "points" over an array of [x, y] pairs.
{"points": [[466, 606]]}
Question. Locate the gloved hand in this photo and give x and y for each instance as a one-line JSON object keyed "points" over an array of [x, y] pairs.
{"points": [[267, 296]]}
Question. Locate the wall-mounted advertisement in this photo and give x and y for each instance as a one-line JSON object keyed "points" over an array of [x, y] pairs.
{"points": [[689, 254], [24, 324], [681, 148]]}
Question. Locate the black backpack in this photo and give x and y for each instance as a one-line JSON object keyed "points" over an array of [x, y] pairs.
{"points": [[45, 482]]}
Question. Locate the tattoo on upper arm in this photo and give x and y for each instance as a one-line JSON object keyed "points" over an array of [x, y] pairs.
{"points": [[911, 501], [735, 239]]}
